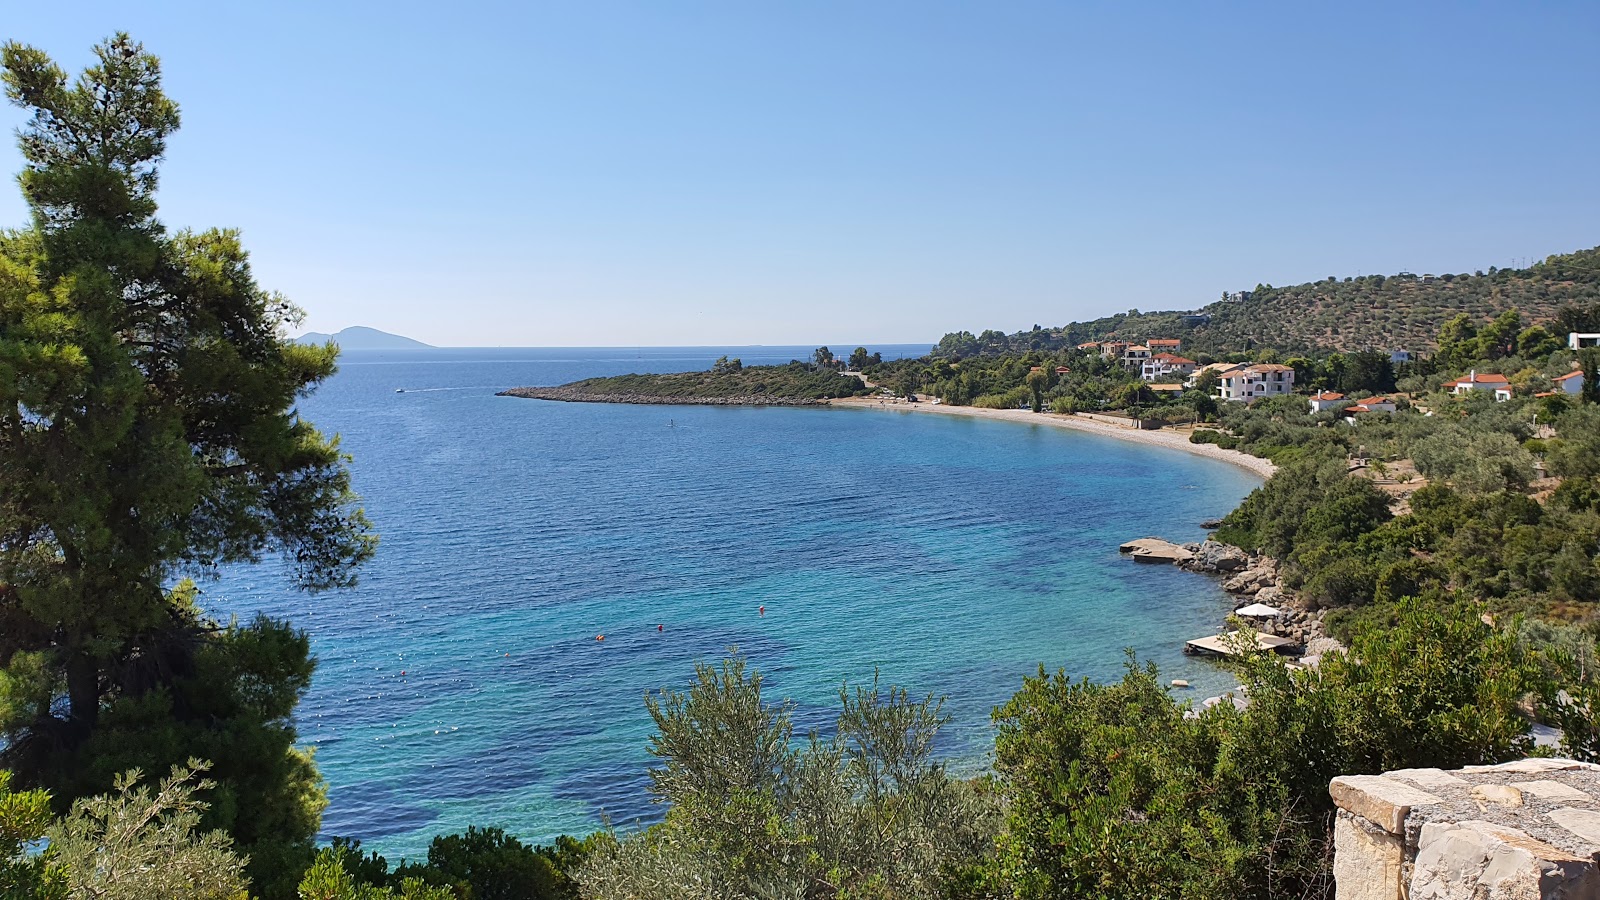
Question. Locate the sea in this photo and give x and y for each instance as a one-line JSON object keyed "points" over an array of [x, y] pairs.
{"points": [[464, 681]]}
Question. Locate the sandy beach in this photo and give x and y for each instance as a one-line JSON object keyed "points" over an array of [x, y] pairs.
{"points": [[1169, 439]]}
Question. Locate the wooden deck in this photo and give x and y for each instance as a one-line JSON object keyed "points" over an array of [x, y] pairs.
{"points": [[1218, 645]]}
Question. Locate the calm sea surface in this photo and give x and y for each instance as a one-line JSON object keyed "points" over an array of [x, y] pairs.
{"points": [[461, 682]]}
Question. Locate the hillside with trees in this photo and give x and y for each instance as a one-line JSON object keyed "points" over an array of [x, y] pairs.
{"points": [[1385, 312]]}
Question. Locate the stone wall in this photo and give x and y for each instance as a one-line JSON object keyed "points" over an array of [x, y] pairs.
{"points": [[1516, 831]]}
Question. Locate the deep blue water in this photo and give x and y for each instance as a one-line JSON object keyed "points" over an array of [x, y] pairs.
{"points": [[461, 682]]}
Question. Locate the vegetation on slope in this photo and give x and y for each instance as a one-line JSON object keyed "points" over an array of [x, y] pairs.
{"points": [[1368, 312], [727, 380]]}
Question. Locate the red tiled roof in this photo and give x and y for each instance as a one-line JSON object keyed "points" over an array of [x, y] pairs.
{"points": [[1576, 374], [1327, 395]]}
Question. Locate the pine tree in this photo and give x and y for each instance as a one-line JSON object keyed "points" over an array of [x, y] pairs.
{"points": [[147, 433]]}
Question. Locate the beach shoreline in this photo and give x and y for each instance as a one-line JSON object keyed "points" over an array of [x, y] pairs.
{"points": [[1171, 440]]}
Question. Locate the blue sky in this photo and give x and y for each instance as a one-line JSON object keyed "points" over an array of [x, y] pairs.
{"points": [[617, 173]]}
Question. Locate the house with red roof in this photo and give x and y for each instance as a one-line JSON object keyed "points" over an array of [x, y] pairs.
{"points": [[1166, 365], [1248, 383], [1570, 383], [1326, 400], [1488, 381]]}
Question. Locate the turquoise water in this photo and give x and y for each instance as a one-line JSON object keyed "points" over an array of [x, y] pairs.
{"points": [[461, 682]]}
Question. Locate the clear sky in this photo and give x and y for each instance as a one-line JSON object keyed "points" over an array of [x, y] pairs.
{"points": [[657, 173]]}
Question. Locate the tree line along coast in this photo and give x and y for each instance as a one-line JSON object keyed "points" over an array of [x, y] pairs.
{"points": [[1445, 530]]}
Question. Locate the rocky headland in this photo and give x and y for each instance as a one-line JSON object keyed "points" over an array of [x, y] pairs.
{"points": [[571, 394]]}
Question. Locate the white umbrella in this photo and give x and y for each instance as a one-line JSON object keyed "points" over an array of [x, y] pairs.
{"points": [[1258, 611]]}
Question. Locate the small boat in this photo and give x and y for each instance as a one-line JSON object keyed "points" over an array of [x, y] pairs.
{"points": [[399, 390]]}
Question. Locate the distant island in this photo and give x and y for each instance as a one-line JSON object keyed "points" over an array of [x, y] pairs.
{"points": [[360, 337], [726, 383]]}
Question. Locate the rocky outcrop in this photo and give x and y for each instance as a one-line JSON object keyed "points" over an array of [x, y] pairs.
{"points": [[1261, 574], [569, 394], [1212, 557], [1156, 550]]}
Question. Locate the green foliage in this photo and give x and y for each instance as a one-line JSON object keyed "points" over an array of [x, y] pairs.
{"points": [[1374, 312], [24, 875], [328, 878], [1113, 791], [795, 381], [147, 430], [867, 813], [135, 844]]}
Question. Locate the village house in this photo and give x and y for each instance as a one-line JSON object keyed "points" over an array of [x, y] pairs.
{"points": [[1322, 401], [1165, 365], [1375, 404], [1135, 355], [1570, 383], [1113, 349], [1164, 345], [1577, 340], [1249, 383], [1475, 382]]}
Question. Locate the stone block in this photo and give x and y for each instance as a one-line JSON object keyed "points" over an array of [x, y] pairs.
{"points": [[1483, 861], [1367, 861], [1429, 779], [1384, 802], [1585, 823], [1553, 790]]}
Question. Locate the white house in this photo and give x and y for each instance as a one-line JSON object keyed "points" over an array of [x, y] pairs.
{"points": [[1254, 382], [1570, 383], [1375, 404], [1135, 355], [1325, 400], [1476, 382], [1577, 340], [1166, 365]]}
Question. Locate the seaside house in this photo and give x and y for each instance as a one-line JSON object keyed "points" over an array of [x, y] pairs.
{"points": [[1062, 370], [1113, 349], [1173, 389], [1577, 340], [1135, 355], [1163, 345], [1570, 383], [1369, 405], [1475, 382], [1166, 365], [1089, 346], [1325, 400], [1249, 383]]}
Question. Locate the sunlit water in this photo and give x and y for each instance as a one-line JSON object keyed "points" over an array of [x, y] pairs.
{"points": [[461, 682]]}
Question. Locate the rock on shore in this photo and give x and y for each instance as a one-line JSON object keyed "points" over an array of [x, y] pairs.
{"points": [[575, 395]]}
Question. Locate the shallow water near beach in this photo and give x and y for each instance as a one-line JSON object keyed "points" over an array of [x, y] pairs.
{"points": [[461, 682]]}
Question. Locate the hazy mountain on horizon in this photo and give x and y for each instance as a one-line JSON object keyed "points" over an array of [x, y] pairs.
{"points": [[360, 337]]}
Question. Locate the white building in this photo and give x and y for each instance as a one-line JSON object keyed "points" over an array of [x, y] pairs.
{"points": [[1248, 383], [1166, 365], [1325, 400], [1475, 382], [1577, 340]]}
